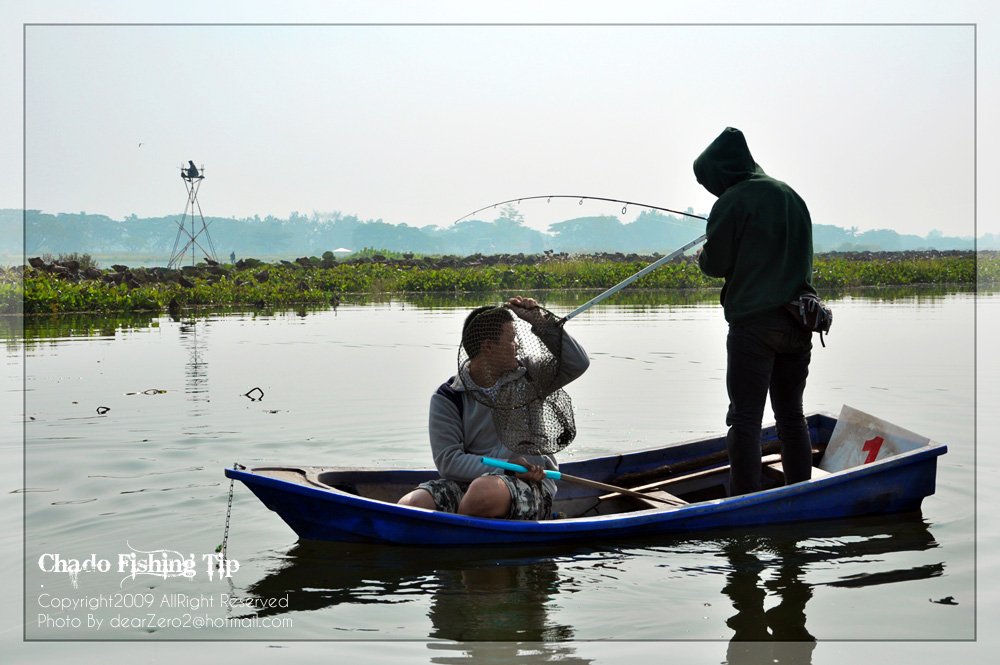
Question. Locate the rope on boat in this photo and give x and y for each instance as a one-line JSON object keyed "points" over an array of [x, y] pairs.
{"points": [[229, 513]]}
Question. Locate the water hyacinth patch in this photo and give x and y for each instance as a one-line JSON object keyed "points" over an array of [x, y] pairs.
{"points": [[253, 283]]}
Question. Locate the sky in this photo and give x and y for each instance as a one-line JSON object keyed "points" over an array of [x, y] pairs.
{"points": [[869, 113]]}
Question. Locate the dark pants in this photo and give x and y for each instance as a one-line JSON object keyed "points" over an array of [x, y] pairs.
{"points": [[768, 354]]}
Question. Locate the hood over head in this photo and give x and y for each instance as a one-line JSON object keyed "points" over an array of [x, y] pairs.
{"points": [[725, 162]]}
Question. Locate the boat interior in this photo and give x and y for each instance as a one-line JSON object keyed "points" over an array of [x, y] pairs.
{"points": [[665, 487]]}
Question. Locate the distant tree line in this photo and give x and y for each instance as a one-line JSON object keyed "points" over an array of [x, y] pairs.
{"points": [[302, 235]]}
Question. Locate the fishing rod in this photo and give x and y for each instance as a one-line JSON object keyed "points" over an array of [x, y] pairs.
{"points": [[628, 280], [625, 204]]}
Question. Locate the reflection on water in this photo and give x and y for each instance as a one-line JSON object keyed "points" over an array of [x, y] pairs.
{"points": [[490, 602], [50, 328], [46, 328], [776, 563], [493, 606], [782, 626], [196, 367], [784, 622], [473, 595], [476, 595], [562, 302]]}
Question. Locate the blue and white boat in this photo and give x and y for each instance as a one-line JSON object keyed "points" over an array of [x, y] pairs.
{"points": [[862, 466]]}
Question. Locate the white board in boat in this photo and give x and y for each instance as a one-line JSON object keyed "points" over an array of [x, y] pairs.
{"points": [[860, 438]]}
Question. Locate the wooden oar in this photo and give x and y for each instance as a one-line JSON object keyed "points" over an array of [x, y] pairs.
{"points": [[556, 475]]}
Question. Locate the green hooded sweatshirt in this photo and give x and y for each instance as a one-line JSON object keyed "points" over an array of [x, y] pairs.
{"points": [[759, 232]]}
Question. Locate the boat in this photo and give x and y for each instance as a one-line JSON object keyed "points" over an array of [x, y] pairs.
{"points": [[862, 466]]}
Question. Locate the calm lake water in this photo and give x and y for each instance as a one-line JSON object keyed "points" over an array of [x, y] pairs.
{"points": [[128, 424]]}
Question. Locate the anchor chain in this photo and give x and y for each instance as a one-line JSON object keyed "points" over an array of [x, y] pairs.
{"points": [[229, 512]]}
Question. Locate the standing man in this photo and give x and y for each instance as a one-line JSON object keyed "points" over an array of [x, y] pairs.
{"points": [[760, 241]]}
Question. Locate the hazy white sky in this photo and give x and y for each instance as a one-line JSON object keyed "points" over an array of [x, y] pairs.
{"points": [[870, 113]]}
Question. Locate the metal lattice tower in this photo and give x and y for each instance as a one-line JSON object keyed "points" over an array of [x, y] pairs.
{"points": [[192, 181]]}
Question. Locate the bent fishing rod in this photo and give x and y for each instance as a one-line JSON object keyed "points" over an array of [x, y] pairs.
{"points": [[625, 204], [628, 280]]}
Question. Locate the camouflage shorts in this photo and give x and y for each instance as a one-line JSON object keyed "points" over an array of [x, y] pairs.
{"points": [[528, 501]]}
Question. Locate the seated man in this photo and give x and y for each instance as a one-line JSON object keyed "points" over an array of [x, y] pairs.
{"points": [[462, 428]]}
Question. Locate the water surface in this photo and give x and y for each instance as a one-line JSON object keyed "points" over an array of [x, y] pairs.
{"points": [[129, 422]]}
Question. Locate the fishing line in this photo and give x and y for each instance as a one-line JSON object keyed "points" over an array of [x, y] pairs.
{"points": [[624, 203]]}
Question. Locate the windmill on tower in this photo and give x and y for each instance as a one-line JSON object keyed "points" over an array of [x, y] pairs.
{"points": [[192, 178]]}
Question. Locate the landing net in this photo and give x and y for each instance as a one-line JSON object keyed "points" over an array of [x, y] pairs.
{"points": [[510, 361]]}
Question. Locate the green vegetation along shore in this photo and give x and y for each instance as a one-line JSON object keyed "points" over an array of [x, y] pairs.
{"points": [[67, 285]]}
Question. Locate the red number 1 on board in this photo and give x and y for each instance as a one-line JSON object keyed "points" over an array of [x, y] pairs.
{"points": [[872, 446]]}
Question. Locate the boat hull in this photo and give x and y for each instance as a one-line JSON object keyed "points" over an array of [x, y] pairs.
{"points": [[319, 512]]}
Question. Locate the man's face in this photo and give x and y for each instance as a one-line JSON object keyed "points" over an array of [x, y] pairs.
{"points": [[502, 354]]}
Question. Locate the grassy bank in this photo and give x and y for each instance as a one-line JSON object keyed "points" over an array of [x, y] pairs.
{"points": [[268, 285]]}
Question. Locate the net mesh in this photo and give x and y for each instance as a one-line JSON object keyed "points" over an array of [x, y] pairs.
{"points": [[510, 361]]}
